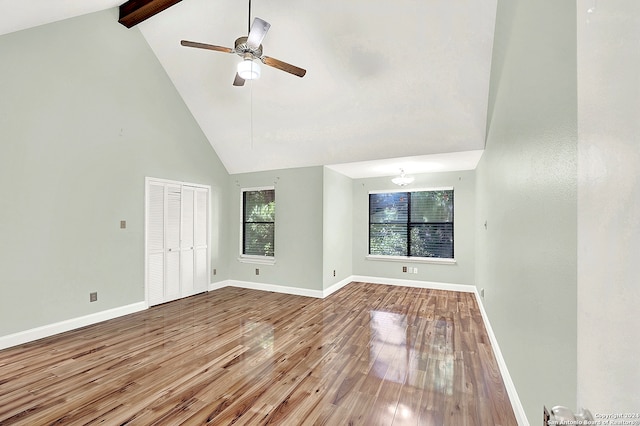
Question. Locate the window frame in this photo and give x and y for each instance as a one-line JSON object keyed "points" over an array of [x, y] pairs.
{"points": [[252, 258], [417, 259]]}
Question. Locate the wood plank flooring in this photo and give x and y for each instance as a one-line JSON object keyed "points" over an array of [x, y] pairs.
{"points": [[366, 355]]}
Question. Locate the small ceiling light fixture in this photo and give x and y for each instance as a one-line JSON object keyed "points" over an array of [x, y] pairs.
{"points": [[249, 69], [402, 180]]}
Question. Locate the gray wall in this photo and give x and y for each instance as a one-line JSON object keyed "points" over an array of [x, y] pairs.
{"points": [[464, 230], [86, 113], [526, 193], [298, 238], [337, 228], [609, 206]]}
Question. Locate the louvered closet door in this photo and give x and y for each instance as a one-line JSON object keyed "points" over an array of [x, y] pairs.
{"points": [[155, 242], [201, 239], [186, 242], [172, 270]]}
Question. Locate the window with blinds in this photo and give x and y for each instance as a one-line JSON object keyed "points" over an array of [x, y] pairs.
{"points": [[411, 224], [258, 222]]}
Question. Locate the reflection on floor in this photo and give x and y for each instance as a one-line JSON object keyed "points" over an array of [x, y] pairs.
{"points": [[398, 360]]}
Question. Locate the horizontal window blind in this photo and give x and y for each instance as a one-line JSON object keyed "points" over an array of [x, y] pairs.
{"points": [[412, 224]]}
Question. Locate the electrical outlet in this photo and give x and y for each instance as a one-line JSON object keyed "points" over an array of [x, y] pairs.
{"points": [[334, 272], [123, 224], [257, 271], [214, 271], [404, 269], [93, 296], [415, 270]]}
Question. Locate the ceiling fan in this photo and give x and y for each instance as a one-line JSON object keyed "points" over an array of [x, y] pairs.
{"points": [[250, 49]]}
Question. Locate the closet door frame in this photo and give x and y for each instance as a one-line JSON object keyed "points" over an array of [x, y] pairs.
{"points": [[165, 182]]}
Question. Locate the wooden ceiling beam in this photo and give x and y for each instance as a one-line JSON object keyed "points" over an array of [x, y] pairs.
{"points": [[135, 11]]}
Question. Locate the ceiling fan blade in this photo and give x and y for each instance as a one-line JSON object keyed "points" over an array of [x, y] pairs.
{"points": [[291, 69], [238, 81], [206, 46], [257, 32]]}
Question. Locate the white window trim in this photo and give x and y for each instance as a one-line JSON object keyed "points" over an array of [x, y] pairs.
{"points": [[248, 258], [259, 260], [388, 191], [433, 260]]}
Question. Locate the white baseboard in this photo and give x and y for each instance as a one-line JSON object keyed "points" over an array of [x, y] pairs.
{"points": [[219, 285], [67, 325], [337, 286], [504, 371], [415, 283], [321, 294], [276, 288], [280, 288]]}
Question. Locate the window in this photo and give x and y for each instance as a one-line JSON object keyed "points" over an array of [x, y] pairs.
{"points": [[411, 224], [258, 221]]}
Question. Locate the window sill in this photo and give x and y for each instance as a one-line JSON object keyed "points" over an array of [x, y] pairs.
{"points": [[260, 260], [434, 260]]}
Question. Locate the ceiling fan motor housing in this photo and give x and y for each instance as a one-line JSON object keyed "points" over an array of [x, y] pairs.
{"points": [[242, 49]]}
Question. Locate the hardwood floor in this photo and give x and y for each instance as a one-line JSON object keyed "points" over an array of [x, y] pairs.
{"points": [[366, 355]]}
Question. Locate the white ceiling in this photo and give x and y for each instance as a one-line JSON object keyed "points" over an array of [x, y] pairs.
{"points": [[385, 79], [18, 15], [456, 161]]}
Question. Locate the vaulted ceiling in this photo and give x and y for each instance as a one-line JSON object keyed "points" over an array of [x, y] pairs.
{"points": [[385, 79]]}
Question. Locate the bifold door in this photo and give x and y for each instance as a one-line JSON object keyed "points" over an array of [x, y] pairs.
{"points": [[177, 251]]}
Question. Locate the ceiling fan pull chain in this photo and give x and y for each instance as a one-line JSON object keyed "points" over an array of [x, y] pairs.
{"points": [[251, 113]]}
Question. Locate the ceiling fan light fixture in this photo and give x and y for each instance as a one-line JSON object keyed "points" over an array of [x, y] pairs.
{"points": [[249, 70], [402, 180]]}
